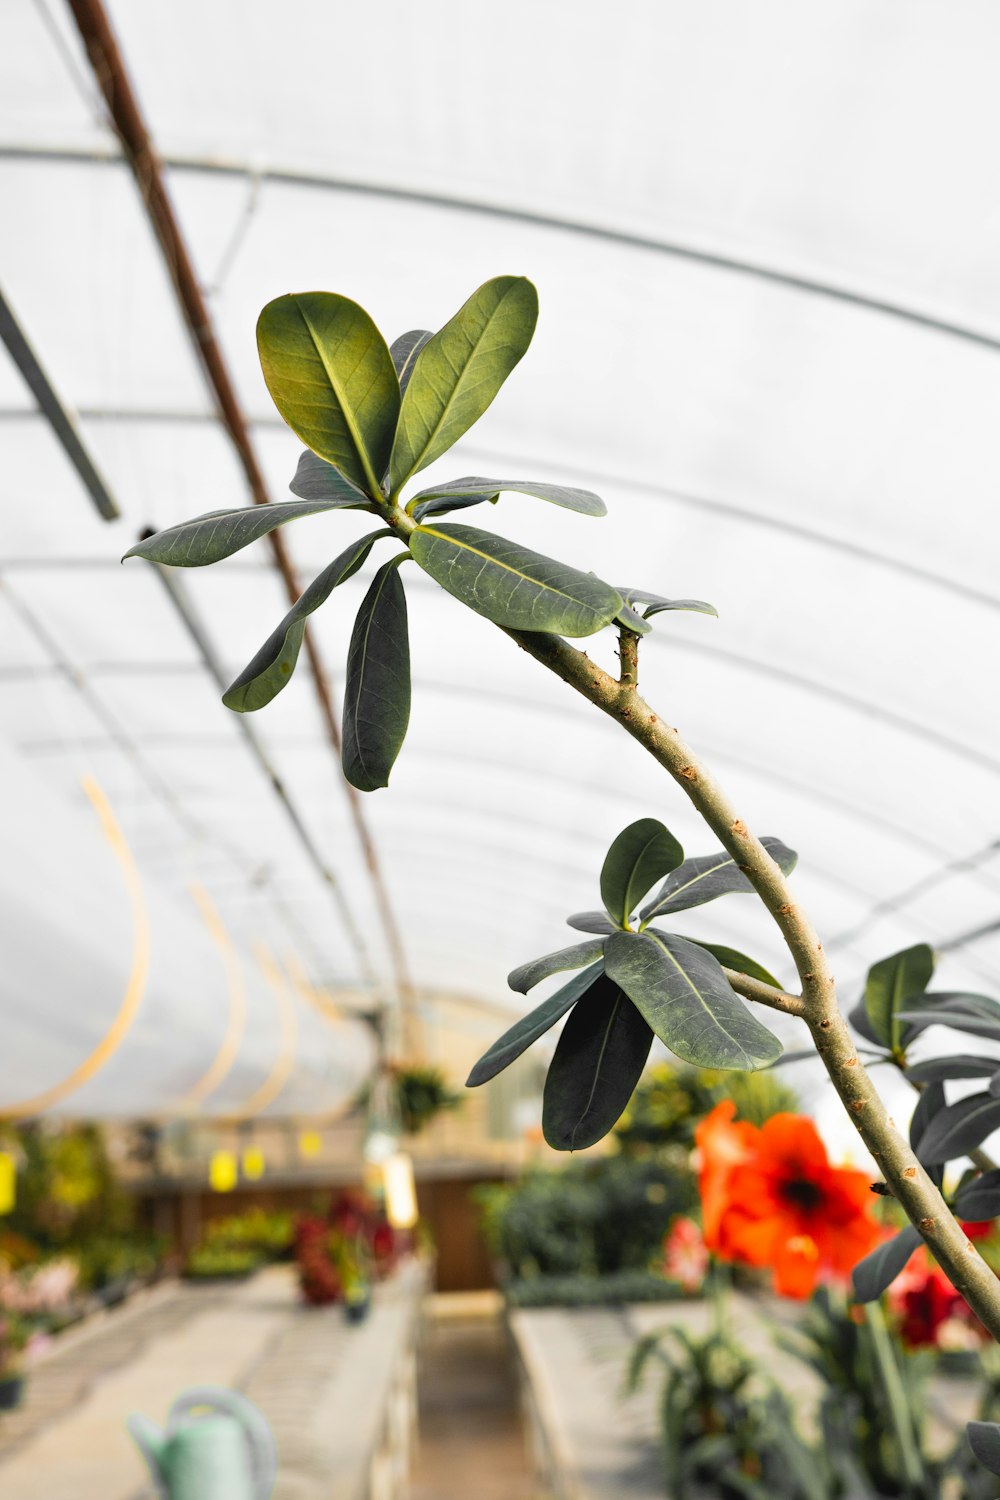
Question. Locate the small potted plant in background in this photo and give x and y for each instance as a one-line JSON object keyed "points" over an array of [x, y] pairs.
{"points": [[422, 1092], [356, 1270]]}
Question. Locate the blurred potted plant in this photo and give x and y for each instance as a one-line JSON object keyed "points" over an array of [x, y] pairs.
{"points": [[13, 1342], [355, 1268]]}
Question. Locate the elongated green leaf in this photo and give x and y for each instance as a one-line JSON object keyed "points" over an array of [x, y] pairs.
{"points": [[994, 1084], [207, 539], [962, 1000], [528, 975], [448, 503], [656, 603], [880, 1268], [858, 1018], [315, 479], [510, 585], [980, 1198], [930, 1104], [590, 921], [459, 371], [377, 693], [731, 958], [530, 1027], [631, 621], [710, 875], [958, 1017], [404, 351], [984, 1440], [936, 1069], [640, 856], [584, 502], [597, 1063], [684, 995], [274, 663], [959, 1128], [890, 984], [332, 379]]}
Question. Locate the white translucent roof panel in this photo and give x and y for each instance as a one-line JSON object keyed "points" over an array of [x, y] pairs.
{"points": [[770, 337]]}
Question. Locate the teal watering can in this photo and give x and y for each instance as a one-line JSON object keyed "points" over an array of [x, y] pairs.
{"points": [[216, 1446]]}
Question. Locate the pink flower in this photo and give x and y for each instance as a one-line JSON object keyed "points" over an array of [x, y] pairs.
{"points": [[685, 1256]]}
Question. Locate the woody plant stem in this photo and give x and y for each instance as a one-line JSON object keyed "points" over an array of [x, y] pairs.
{"points": [[817, 1004]]}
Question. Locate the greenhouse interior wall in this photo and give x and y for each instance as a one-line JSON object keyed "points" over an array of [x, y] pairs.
{"points": [[306, 1190]]}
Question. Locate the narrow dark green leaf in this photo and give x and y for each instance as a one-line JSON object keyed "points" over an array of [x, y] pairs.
{"points": [[994, 1085], [984, 1440], [377, 691], [590, 921], [959, 1128], [530, 1027], [965, 1000], [731, 958], [935, 1069], [460, 370], [628, 618], [315, 479], [890, 984], [656, 603], [207, 539], [528, 975], [332, 379], [511, 585], [686, 998], [881, 1267], [929, 1104], [448, 503], [858, 1018], [710, 875], [980, 1198], [597, 1063], [640, 856], [404, 353], [274, 663], [958, 1017], [584, 502]]}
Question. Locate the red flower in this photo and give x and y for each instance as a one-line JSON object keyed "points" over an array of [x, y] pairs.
{"points": [[771, 1198], [930, 1311]]}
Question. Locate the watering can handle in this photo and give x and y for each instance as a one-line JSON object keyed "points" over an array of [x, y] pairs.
{"points": [[217, 1399]]}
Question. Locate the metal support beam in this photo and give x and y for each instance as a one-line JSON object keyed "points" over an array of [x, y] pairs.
{"points": [[127, 118], [58, 415]]}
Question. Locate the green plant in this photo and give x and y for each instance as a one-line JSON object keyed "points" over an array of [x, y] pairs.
{"points": [[421, 1093], [671, 1098], [610, 1289], [222, 1261], [268, 1232], [372, 418]]}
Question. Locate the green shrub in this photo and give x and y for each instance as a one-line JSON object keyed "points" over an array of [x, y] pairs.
{"points": [[611, 1290], [671, 1099]]}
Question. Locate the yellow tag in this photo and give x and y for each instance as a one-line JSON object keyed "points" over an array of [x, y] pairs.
{"points": [[222, 1173], [253, 1163], [8, 1178], [310, 1143]]}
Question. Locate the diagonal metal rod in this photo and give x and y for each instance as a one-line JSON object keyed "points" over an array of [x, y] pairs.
{"points": [[58, 416], [126, 116]]}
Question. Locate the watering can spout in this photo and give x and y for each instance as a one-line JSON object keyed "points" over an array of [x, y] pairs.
{"points": [[152, 1443], [216, 1446]]}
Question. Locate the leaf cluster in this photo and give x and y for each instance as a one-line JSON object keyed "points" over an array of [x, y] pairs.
{"points": [[635, 981], [372, 417]]}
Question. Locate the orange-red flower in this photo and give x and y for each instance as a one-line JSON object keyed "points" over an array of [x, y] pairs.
{"points": [[771, 1198]]}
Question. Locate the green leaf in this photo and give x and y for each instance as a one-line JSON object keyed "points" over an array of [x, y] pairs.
{"points": [[459, 371], [315, 479], [628, 618], [530, 1027], [958, 1017], [959, 1128], [880, 1268], [590, 921], [597, 1063], [332, 379], [984, 1440], [510, 585], [640, 856], [979, 1199], [731, 958], [449, 503], [684, 995], [207, 539], [710, 875], [528, 975], [930, 1103], [656, 603], [274, 663], [890, 984], [404, 353], [377, 693], [858, 1018], [936, 1069], [584, 502]]}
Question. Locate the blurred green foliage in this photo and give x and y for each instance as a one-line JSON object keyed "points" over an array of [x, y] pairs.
{"points": [[671, 1099]]}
